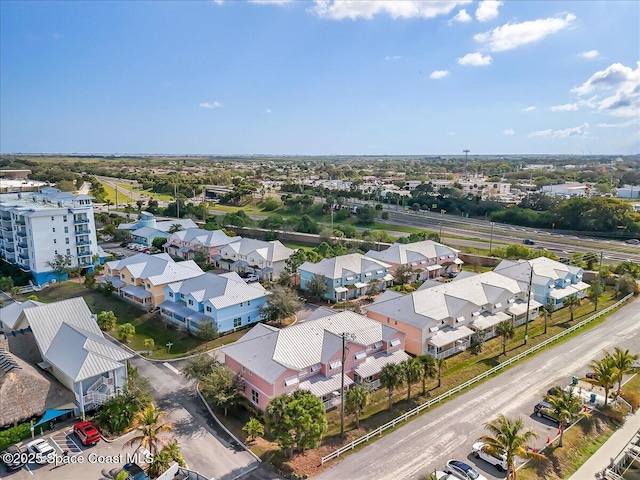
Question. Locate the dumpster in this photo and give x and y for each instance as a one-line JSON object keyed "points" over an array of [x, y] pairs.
{"points": [[574, 380], [592, 398]]}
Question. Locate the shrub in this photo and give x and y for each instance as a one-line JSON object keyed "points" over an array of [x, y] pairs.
{"points": [[15, 434], [617, 413], [633, 399]]}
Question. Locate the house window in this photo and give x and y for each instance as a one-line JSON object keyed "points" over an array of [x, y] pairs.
{"points": [[241, 304], [148, 286], [66, 229], [395, 342], [248, 303], [249, 319], [55, 251], [64, 218], [237, 322], [315, 368], [255, 397], [335, 364], [54, 229], [51, 218], [66, 241], [190, 302], [122, 276], [171, 294], [291, 381], [68, 251], [360, 355], [132, 279], [208, 309], [55, 241]]}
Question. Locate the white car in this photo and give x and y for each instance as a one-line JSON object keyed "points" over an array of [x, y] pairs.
{"points": [[463, 471], [43, 451], [252, 278], [479, 451]]}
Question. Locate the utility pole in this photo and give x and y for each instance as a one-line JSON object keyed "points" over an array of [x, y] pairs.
{"points": [[526, 325], [599, 284], [491, 239], [466, 153], [116, 197], [344, 359]]}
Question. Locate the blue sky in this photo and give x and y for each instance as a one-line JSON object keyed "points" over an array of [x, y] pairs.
{"points": [[320, 77]]}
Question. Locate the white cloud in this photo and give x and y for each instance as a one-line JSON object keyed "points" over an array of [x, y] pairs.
{"points": [[567, 107], [590, 55], [513, 35], [267, 111], [617, 89], [579, 131], [529, 109], [462, 16], [354, 9], [438, 74], [628, 123], [475, 60], [508, 131], [392, 57], [211, 105], [487, 10]]}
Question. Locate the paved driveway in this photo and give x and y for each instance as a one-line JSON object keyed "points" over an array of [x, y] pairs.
{"points": [[448, 431], [206, 450]]}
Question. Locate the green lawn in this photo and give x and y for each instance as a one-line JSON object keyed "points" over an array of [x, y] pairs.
{"points": [[148, 325], [111, 195]]}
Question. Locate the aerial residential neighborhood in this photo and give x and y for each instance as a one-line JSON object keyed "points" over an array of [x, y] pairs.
{"points": [[277, 240]]}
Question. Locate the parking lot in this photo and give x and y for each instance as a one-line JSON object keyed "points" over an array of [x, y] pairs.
{"points": [[80, 462]]}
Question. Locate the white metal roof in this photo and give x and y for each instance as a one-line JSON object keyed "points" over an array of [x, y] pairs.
{"points": [[485, 321], [428, 307], [9, 315], [520, 307], [157, 269], [337, 267], [403, 253], [445, 337], [544, 269], [270, 352], [221, 290], [273, 251], [373, 364], [319, 385], [69, 338], [200, 237]]}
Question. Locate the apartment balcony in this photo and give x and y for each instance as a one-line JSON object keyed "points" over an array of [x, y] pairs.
{"points": [[10, 250], [84, 253], [80, 243], [21, 233], [24, 255], [83, 232], [5, 218], [20, 222], [23, 245], [79, 221]]}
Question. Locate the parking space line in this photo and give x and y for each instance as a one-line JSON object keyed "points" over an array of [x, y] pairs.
{"points": [[28, 469], [74, 444]]}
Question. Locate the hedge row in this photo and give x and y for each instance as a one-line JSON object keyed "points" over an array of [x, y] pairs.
{"points": [[14, 435]]}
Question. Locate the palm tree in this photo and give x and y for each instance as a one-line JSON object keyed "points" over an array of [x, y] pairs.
{"points": [[506, 330], [547, 312], [428, 370], [440, 363], [149, 428], [173, 449], [126, 331], [567, 408], [159, 464], [413, 371], [623, 362], [605, 374], [391, 377], [572, 302], [403, 274], [357, 399], [509, 437]]}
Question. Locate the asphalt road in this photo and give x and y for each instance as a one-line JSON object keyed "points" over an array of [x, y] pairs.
{"points": [[448, 431]]}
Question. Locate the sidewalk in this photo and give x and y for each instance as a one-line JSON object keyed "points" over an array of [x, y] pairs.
{"points": [[608, 452]]}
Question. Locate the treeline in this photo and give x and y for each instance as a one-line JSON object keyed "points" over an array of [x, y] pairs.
{"points": [[587, 214]]}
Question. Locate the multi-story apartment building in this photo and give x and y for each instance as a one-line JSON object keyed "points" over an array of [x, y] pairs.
{"points": [[37, 226]]}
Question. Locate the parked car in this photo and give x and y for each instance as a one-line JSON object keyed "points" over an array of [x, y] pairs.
{"points": [[528, 241], [632, 241], [463, 471], [252, 278], [545, 410], [86, 433], [479, 450], [43, 451], [591, 375], [12, 458]]}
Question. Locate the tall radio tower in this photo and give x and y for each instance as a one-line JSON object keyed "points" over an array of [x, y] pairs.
{"points": [[466, 153]]}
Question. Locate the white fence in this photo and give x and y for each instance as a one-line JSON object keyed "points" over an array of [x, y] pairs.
{"points": [[467, 384]]}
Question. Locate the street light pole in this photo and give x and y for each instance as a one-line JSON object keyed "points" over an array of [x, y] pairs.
{"points": [[344, 358], [526, 324], [599, 284], [491, 239]]}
